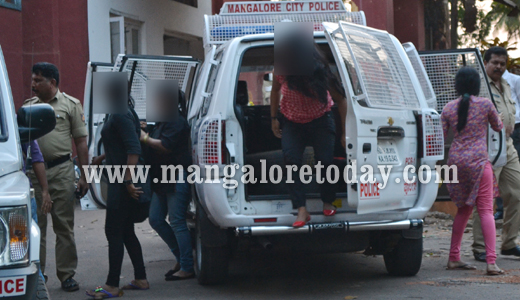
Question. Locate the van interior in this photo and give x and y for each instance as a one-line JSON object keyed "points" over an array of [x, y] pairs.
{"points": [[252, 110]]}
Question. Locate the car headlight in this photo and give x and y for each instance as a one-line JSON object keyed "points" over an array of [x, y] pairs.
{"points": [[14, 235]]}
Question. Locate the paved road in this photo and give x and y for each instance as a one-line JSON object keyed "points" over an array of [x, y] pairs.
{"points": [[264, 275]]}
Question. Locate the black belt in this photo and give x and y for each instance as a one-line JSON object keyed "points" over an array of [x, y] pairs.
{"points": [[57, 161], [517, 125]]}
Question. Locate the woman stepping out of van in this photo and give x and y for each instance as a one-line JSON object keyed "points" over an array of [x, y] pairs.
{"points": [[468, 117], [309, 89]]}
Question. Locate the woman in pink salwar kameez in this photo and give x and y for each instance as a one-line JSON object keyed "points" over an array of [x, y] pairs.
{"points": [[468, 117]]}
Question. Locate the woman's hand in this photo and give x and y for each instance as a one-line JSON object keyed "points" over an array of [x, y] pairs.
{"points": [[143, 124], [134, 191], [142, 138], [46, 203], [97, 160], [275, 126]]}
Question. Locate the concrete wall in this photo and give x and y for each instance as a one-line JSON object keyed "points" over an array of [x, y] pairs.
{"points": [[54, 31], [157, 16], [402, 18], [11, 42], [409, 22]]}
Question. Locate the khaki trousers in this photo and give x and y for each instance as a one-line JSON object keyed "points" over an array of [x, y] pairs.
{"points": [[508, 178], [61, 190]]}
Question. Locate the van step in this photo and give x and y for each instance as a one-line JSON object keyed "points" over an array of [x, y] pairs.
{"points": [[344, 226]]}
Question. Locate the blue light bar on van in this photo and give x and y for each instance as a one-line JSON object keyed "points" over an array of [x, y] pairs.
{"points": [[245, 18], [236, 31]]}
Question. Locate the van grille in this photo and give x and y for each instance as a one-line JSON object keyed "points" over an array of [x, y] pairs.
{"points": [[153, 69], [442, 68], [385, 77], [418, 67]]}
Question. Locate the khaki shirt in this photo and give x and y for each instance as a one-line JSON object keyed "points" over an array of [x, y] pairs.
{"points": [[70, 122], [504, 101]]}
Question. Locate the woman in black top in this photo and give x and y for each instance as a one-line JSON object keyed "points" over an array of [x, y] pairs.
{"points": [[121, 143], [168, 145]]}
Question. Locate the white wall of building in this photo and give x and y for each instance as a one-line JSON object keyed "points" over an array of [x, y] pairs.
{"points": [[158, 17]]}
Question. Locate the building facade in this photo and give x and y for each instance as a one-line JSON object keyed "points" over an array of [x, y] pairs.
{"points": [[72, 33], [69, 34]]}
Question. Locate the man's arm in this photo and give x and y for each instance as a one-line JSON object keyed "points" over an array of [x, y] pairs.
{"points": [[153, 143], [39, 171], [81, 148]]}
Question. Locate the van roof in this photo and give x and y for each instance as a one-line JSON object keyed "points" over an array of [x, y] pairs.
{"points": [[238, 19]]}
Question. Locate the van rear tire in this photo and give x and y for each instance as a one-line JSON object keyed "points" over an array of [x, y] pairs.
{"points": [[406, 258], [211, 262]]}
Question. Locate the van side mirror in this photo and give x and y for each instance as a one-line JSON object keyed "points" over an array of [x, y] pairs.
{"points": [[35, 121]]}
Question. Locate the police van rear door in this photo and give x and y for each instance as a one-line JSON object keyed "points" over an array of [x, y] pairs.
{"points": [[441, 67], [94, 123], [383, 97], [140, 69]]}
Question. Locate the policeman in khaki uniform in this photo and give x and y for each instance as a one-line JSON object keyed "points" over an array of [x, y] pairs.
{"points": [[508, 176], [56, 148]]}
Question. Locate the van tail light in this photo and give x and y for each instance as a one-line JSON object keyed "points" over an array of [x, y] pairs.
{"points": [[212, 142], [431, 136]]}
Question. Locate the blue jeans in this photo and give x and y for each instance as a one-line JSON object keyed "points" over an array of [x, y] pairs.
{"points": [[319, 133], [175, 234]]}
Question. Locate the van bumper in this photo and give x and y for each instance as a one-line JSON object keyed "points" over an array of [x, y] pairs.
{"points": [[31, 273], [345, 226]]}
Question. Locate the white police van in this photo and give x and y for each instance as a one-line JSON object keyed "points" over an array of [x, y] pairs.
{"points": [[19, 234], [391, 120]]}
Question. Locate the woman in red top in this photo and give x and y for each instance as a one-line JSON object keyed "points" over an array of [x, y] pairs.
{"points": [[306, 120]]}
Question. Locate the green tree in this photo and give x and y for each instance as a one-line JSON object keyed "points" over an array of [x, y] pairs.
{"points": [[504, 15]]}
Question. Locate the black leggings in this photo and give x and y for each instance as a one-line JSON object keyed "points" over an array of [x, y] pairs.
{"points": [[320, 133], [119, 229]]}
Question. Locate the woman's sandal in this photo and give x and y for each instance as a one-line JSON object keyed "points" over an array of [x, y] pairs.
{"points": [[459, 266], [172, 271], [495, 272], [133, 286], [99, 293]]}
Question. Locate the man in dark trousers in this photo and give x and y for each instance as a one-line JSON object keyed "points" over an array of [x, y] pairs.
{"points": [[508, 176], [56, 148]]}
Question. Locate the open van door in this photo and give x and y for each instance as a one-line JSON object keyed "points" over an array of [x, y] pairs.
{"points": [[140, 68], [94, 124], [384, 96], [441, 67]]}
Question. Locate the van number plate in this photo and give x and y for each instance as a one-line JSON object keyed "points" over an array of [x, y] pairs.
{"points": [[387, 152], [12, 286]]}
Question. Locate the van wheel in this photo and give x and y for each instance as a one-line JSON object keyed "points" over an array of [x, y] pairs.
{"points": [[406, 258], [211, 261], [41, 292]]}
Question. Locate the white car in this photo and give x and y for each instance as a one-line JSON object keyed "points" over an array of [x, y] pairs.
{"points": [[391, 120], [19, 234]]}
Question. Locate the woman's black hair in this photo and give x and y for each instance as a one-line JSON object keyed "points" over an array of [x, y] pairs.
{"points": [[321, 80], [467, 84]]}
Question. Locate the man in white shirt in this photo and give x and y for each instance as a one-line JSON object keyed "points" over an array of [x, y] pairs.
{"points": [[514, 83]]}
